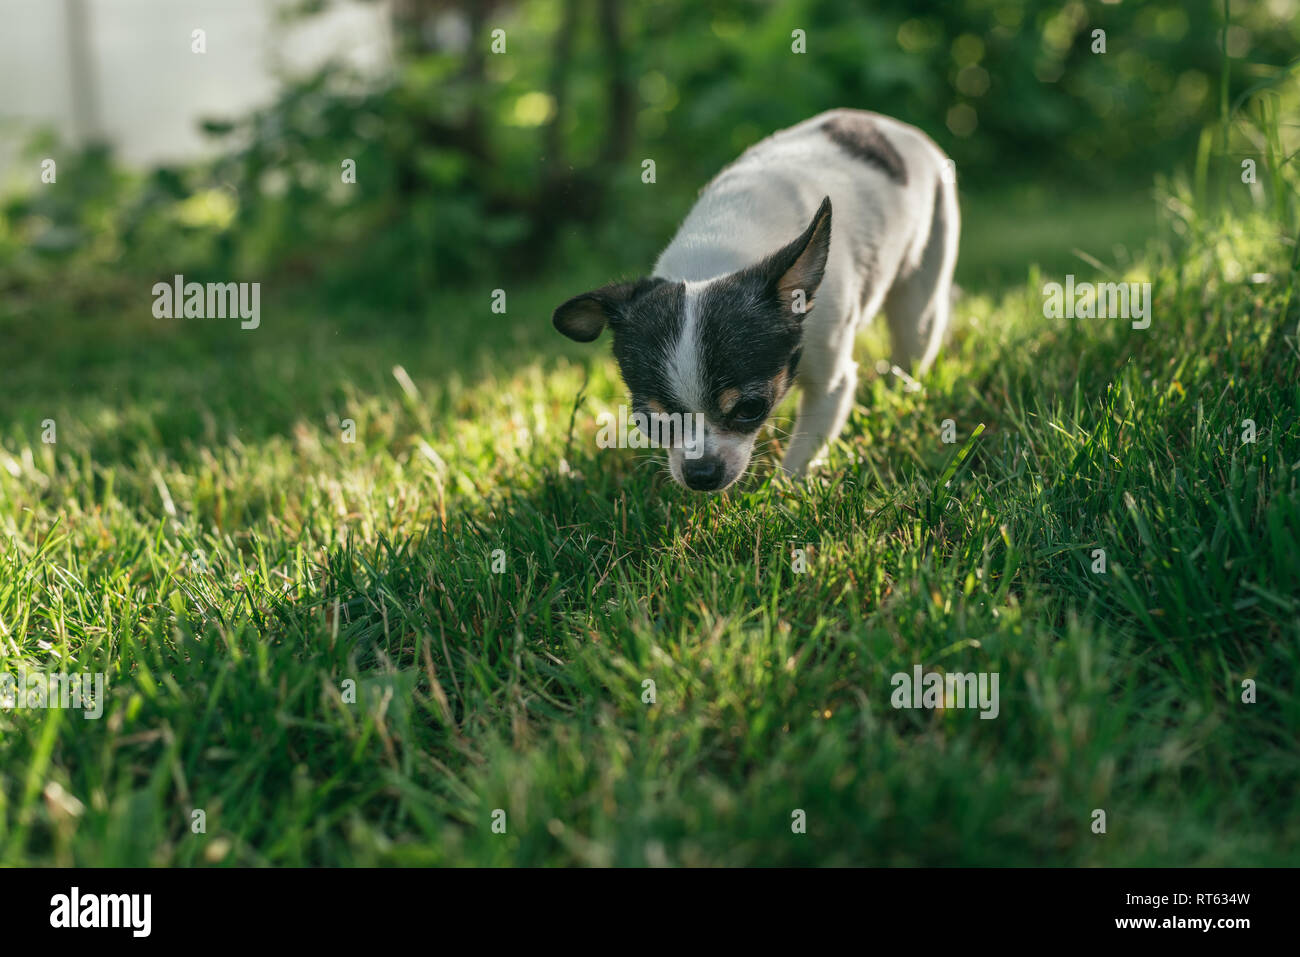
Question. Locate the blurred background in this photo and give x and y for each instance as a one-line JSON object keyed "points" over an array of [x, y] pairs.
{"points": [[477, 162]]}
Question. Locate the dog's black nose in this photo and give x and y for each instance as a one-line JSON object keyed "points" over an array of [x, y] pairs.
{"points": [[702, 474]]}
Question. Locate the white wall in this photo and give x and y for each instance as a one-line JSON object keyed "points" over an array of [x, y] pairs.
{"points": [[148, 89]]}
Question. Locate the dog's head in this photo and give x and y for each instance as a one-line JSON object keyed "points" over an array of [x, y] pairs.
{"points": [[726, 348]]}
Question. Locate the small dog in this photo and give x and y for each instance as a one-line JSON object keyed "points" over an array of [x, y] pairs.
{"points": [[725, 321]]}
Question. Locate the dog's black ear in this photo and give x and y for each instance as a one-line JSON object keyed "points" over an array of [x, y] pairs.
{"points": [[583, 317], [794, 272]]}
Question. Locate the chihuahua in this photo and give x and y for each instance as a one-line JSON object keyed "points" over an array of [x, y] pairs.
{"points": [[725, 324]]}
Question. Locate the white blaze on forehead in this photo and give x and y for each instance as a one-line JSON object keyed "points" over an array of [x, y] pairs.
{"points": [[684, 368]]}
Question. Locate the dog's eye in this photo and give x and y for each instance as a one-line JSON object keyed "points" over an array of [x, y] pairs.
{"points": [[749, 410]]}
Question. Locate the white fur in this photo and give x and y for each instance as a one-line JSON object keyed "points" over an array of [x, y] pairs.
{"points": [[892, 246], [685, 374]]}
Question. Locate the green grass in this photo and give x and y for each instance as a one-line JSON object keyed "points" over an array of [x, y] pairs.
{"points": [[201, 533], [1056, 229]]}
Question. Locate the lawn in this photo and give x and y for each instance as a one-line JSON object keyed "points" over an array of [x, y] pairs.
{"points": [[391, 645]]}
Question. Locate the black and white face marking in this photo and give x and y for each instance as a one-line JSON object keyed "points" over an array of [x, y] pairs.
{"points": [[729, 361], [727, 348]]}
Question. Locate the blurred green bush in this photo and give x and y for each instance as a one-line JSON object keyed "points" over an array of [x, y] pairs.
{"points": [[468, 159]]}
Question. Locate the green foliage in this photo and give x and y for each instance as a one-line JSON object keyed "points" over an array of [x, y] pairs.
{"points": [[472, 164]]}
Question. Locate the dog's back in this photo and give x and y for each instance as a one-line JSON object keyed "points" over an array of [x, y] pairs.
{"points": [[888, 183]]}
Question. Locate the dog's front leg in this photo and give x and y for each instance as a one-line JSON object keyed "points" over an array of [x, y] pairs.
{"points": [[823, 409]]}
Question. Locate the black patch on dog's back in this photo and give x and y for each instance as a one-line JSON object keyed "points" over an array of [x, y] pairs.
{"points": [[857, 135]]}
